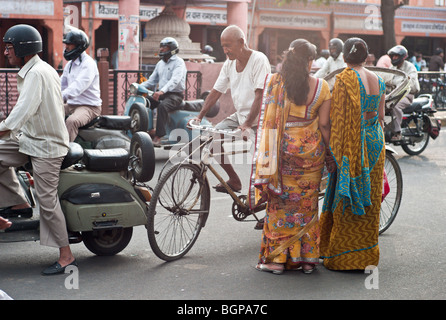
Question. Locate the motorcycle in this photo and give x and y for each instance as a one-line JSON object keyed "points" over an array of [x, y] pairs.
{"points": [[102, 193], [417, 127], [419, 123], [146, 121]]}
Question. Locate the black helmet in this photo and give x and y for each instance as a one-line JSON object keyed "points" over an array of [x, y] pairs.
{"points": [[400, 52], [173, 47], [78, 38], [208, 49], [25, 39], [337, 45]]}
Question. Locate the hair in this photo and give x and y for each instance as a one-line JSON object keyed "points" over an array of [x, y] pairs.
{"points": [[295, 71], [356, 51]]}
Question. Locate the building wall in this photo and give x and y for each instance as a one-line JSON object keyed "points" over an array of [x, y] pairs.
{"points": [[421, 23]]}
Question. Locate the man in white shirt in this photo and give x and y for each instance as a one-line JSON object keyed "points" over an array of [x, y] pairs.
{"points": [[35, 129], [244, 72], [398, 55], [79, 83], [336, 59]]}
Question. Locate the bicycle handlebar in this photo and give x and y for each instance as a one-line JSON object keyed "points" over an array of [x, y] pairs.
{"points": [[232, 133]]}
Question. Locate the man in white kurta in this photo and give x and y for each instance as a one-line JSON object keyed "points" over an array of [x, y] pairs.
{"points": [[244, 72]]}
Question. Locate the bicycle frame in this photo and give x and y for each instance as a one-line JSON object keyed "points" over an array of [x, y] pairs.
{"points": [[206, 153]]}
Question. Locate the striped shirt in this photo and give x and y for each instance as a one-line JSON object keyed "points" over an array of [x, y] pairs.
{"points": [[38, 118]]}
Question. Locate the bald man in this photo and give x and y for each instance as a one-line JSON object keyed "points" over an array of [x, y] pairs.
{"points": [[244, 72]]}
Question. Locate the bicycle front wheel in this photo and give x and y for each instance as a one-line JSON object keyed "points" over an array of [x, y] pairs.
{"points": [[391, 203], [177, 211]]}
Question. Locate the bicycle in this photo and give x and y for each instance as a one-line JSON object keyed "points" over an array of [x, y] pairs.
{"points": [[180, 202]]}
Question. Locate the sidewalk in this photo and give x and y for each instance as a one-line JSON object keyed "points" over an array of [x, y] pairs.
{"points": [[442, 116]]}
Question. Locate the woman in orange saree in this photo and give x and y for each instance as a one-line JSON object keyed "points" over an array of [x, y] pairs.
{"points": [[350, 214], [293, 131]]}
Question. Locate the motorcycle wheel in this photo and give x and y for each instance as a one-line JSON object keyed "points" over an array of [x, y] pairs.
{"points": [[417, 147], [140, 118], [107, 242], [142, 148], [391, 203]]}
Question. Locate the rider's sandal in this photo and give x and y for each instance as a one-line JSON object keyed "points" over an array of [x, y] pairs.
{"points": [[308, 268], [12, 213], [220, 188], [396, 137], [275, 268]]}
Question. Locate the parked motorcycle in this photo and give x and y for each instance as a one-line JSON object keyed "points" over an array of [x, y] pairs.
{"points": [[190, 109], [102, 194], [419, 123], [417, 127]]}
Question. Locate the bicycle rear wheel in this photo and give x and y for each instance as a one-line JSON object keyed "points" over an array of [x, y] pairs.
{"points": [[177, 211], [391, 203]]}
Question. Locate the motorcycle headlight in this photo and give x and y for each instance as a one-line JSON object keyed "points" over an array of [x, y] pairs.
{"points": [[134, 88]]}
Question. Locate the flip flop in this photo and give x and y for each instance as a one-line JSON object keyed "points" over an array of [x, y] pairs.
{"points": [[220, 188]]}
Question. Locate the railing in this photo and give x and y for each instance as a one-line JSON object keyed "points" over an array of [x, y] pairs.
{"points": [[119, 80], [122, 79], [433, 82], [8, 91]]}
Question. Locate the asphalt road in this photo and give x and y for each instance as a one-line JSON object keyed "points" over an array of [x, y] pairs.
{"points": [[221, 264]]}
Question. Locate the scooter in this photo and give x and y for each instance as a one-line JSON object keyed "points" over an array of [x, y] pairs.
{"points": [[179, 119], [417, 127], [102, 195]]}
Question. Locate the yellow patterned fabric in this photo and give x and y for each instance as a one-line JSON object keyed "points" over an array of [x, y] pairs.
{"points": [[287, 172], [350, 214]]}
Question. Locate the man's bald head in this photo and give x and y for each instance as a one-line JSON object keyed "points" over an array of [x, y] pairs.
{"points": [[234, 33]]}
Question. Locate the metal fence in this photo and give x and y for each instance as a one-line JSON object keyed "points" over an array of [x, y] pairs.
{"points": [[433, 82], [8, 91], [119, 83]]}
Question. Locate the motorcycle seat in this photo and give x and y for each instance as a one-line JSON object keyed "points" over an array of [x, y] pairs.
{"points": [[106, 160], [75, 153], [416, 105], [110, 122]]}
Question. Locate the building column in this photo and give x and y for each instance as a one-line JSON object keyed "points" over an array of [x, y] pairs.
{"points": [[128, 33], [237, 13], [128, 46], [55, 44]]}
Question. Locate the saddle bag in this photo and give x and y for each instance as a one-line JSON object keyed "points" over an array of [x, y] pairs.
{"points": [[432, 126]]}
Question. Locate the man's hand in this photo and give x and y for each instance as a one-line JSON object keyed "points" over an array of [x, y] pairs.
{"points": [[157, 95], [2, 133], [246, 130]]}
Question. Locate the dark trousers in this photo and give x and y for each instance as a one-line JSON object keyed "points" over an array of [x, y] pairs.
{"points": [[168, 102]]}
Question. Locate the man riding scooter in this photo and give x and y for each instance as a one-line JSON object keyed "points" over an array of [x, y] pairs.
{"points": [[170, 76], [398, 55]]}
